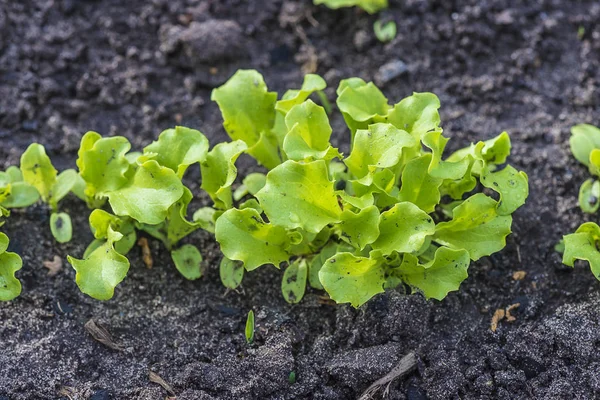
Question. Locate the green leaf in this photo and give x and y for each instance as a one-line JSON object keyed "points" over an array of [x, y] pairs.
{"points": [[418, 186], [589, 196], [351, 279], [380, 146], [443, 169], [65, 182], [60, 225], [370, 6], [102, 163], [248, 110], [493, 151], [38, 171], [99, 274], [178, 226], [512, 185], [205, 217], [293, 283], [149, 195], [179, 148], [300, 196], [416, 114], [309, 133], [14, 174], [361, 103], [219, 172], [319, 259], [188, 261], [10, 286], [249, 331], [475, 227], [254, 182], [438, 277], [101, 220], [385, 31], [231, 273], [584, 139], [403, 228], [312, 83], [362, 228], [21, 195], [244, 236], [583, 245]]}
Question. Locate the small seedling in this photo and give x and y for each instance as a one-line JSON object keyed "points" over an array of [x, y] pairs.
{"points": [[384, 31], [583, 244], [250, 327], [370, 6]]}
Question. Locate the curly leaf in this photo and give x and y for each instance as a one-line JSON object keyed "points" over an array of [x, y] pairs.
{"points": [[416, 114], [179, 148], [102, 163], [438, 277], [248, 110], [351, 279], [380, 146], [300, 196], [583, 245], [244, 236], [475, 227], [293, 283], [512, 185], [309, 133], [10, 286], [360, 229], [403, 228], [443, 169], [231, 273], [38, 171], [149, 194], [418, 186], [219, 172], [494, 151], [178, 226], [188, 261], [205, 217], [312, 83], [361, 104], [99, 274]]}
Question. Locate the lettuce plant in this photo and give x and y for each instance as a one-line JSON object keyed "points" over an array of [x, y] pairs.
{"points": [[38, 179], [370, 6], [10, 286], [584, 243], [392, 211], [145, 192]]}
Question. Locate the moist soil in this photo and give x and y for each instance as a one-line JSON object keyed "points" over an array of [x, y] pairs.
{"points": [[134, 68]]}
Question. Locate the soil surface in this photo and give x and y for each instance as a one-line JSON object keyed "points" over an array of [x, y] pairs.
{"points": [[134, 68]]}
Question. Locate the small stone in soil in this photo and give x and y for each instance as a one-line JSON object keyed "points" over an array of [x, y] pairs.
{"points": [[390, 71]]}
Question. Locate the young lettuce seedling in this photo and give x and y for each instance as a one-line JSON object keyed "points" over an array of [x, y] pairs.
{"points": [[10, 286], [145, 192], [584, 243], [37, 178], [393, 210], [370, 6]]}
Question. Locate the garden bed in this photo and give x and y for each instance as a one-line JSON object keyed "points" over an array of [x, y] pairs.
{"points": [[136, 68]]}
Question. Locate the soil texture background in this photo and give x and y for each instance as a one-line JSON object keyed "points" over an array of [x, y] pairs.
{"points": [[134, 68]]}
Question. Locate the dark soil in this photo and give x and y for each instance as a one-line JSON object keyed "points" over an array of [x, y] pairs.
{"points": [[136, 67]]}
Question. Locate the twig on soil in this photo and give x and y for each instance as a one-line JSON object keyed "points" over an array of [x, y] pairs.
{"points": [[100, 334], [146, 254], [406, 365], [155, 378]]}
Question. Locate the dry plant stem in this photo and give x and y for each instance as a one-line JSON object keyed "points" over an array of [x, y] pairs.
{"points": [[406, 365]]}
